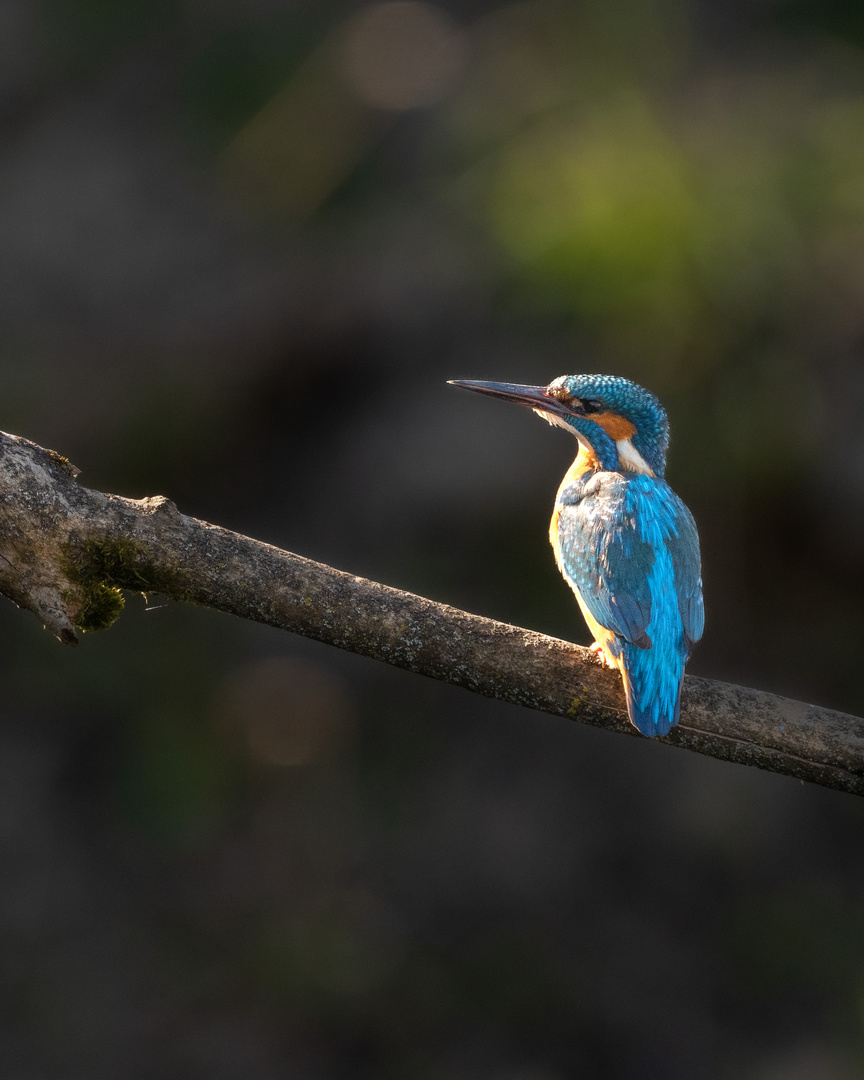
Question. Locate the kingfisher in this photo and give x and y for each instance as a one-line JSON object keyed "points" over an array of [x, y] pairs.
{"points": [[625, 543]]}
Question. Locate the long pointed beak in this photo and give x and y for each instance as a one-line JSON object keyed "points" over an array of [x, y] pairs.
{"points": [[535, 397]]}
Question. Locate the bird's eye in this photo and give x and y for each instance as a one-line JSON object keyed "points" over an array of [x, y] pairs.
{"points": [[591, 406]]}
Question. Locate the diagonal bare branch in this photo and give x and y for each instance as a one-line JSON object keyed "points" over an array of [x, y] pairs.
{"points": [[67, 551]]}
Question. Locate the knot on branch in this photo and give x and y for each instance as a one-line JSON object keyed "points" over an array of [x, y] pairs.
{"points": [[158, 504]]}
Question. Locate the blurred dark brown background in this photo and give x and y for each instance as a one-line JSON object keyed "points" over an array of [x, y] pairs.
{"points": [[243, 244]]}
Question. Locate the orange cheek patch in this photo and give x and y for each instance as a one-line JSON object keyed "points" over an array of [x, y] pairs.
{"points": [[615, 426]]}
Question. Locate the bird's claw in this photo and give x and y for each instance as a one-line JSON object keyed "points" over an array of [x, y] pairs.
{"points": [[601, 656]]}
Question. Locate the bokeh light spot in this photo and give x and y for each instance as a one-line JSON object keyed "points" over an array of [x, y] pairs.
{"points": [[402, 55], [291, 712]]}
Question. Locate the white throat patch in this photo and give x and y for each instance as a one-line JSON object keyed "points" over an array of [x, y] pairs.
{"points": [[631, 459]]}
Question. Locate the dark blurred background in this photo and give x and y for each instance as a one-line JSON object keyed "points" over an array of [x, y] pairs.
{"points": [[243, 244]]}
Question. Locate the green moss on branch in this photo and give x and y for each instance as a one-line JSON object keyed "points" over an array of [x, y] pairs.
{"points": [[99, 569], [101, 606]]}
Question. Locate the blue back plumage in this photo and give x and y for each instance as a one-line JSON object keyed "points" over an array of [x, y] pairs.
{"points": [[628, 547]]}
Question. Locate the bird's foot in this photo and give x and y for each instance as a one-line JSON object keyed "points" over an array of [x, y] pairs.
{"points": [[601, 656]]}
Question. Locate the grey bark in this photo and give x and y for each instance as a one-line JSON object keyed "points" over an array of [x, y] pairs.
{"points": [[67, 551]]}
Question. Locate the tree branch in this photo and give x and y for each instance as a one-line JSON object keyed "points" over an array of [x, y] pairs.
{"points": [[67, 551]]}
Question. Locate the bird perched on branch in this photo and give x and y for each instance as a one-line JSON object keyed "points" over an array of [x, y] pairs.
{"points": [[624, 541]]}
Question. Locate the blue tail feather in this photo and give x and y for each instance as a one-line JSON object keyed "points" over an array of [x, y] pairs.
{"points": [[647, 720], [653, 692]]}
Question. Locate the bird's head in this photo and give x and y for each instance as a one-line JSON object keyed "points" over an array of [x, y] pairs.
{"points": [[623, 425]]}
